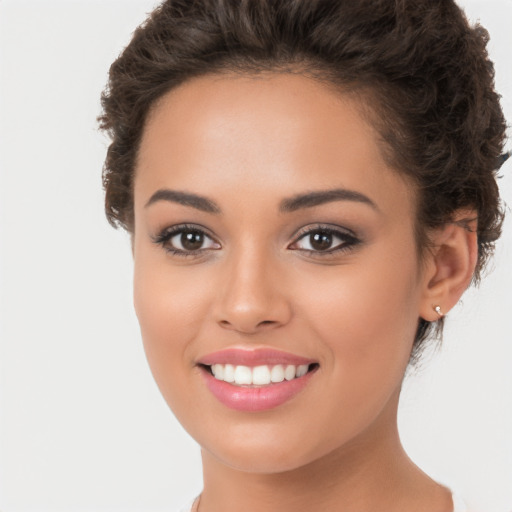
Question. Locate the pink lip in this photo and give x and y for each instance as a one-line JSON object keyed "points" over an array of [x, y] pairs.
{"points": [[254, 398], [254, 357]]}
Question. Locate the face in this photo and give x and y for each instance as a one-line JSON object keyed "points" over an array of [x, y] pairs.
{"points": [[274, 246]]}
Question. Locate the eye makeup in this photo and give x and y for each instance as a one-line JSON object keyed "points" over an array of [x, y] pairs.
{"points": [[324, 240], [186, 240], [318, 240]]}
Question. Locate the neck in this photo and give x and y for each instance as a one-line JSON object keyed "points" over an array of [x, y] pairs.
{"points": [[371, 472]]}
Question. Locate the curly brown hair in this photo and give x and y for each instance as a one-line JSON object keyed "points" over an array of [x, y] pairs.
{"points": [[423, 69]]}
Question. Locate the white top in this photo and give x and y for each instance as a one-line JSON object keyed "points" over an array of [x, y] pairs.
{"points": [[458, 505]]}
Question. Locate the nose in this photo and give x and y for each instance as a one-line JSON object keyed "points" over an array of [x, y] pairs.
{"points": [[252, 297]]}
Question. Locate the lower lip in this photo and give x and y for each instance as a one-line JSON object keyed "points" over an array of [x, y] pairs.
{"points": [[255, 399]]}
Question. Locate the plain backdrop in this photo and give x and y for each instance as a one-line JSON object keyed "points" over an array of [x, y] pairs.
{"points": [[82, 424]]}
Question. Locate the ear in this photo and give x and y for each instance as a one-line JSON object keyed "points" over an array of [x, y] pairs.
{"points": [[450, 264]]}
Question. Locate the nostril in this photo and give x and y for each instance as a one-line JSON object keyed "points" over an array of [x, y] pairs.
{"points": [[247, 327]]}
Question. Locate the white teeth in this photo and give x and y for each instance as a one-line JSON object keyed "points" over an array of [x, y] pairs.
{"points": [[259, 375], [277, 373], [302, 370], [218, 371], [229, 373], [290, 371], [243, 375]]}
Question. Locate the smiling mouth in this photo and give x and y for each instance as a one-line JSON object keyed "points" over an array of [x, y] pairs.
{"points": [[262, 375]]}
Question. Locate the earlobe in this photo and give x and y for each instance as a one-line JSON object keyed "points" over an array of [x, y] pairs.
{"points": [[452, 261]]}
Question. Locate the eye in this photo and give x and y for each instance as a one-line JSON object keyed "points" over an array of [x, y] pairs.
{"points": [[325, 240], [185, 240]]}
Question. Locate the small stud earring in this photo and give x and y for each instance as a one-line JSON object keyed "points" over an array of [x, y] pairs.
{"points": [[437, 309]]}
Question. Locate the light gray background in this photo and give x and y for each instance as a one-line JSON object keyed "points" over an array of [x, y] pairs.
{"points": [[82, 425]]}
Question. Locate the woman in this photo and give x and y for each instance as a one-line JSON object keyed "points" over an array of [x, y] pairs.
{"points": [[310, 188]]}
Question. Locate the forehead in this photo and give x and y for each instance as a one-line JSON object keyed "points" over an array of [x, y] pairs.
{"points": [[280, 134]]}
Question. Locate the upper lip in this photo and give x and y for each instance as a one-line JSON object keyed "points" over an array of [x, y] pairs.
{"points": [[253, 357]]}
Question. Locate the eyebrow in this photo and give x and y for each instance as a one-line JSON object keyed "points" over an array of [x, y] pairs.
{"points": [[184, 198], [297, 202], [319, 197]]}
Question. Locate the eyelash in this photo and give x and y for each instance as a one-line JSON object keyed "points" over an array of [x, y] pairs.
{"points": [[348, 240], [166, 235]]}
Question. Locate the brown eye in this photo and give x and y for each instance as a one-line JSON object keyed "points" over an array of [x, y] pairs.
{"points": [[325, 240], [191, 240], [320, 241], [182, 240]]}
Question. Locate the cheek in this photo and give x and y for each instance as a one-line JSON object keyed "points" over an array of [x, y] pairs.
{"points": [[366, 316], [171, 308], [365, 322]]}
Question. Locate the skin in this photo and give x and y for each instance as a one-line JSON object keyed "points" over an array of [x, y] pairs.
{"points": [[248, 144]]}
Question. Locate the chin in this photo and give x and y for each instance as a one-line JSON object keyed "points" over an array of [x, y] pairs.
{"points": [[267, 451], [264, 462]]}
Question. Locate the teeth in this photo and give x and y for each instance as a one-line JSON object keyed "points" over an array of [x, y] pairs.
{"points": [[259, 375], [229, 373], [289, 372], [277, 373], [218, 371], [302, 370], [243, 375]]}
